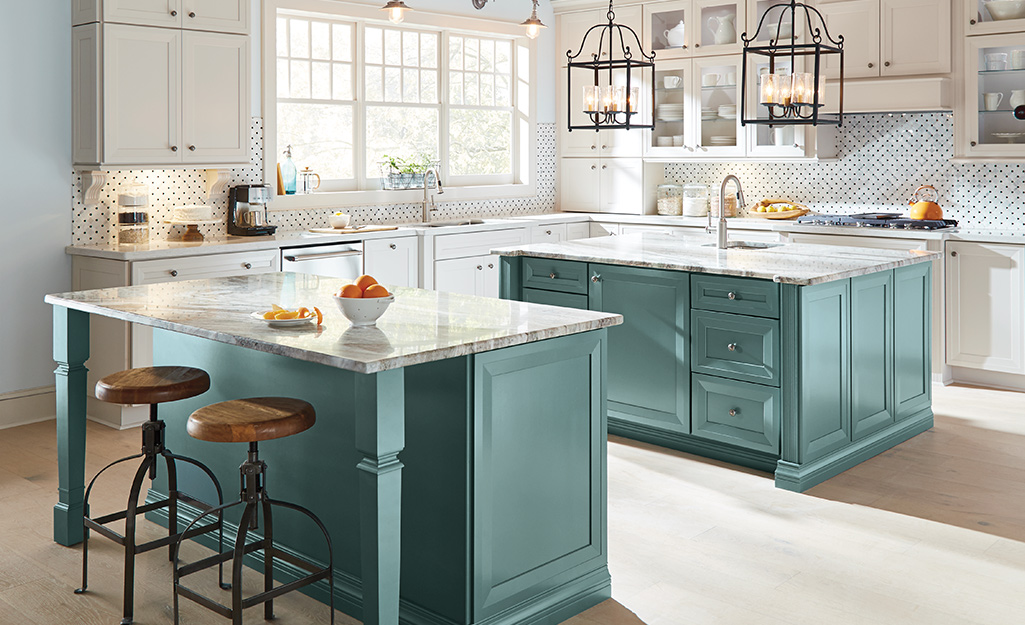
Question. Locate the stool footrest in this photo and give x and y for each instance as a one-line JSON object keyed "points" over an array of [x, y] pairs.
{"points": [[99, 524], [217, 558]]}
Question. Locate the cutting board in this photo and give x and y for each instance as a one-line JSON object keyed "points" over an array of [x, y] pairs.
{"points": [[353, 230]]}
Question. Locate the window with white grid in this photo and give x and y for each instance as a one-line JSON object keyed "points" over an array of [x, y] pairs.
{"points": [[316, 101]]}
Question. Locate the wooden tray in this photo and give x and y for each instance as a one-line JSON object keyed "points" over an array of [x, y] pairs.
{"points": [[783, 215], [353, 230]]}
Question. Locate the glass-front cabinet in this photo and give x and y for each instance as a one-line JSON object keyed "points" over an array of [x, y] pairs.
{"points": [[684, 28], [718, 131], [994, 16], [994, 88], [671, 135]]}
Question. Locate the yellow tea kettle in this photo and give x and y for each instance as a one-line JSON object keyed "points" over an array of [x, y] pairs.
{"points": [[923, 203]]}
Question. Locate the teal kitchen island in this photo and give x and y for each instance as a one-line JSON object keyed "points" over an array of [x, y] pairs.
{"points": [[458, 458], [802, 360]]}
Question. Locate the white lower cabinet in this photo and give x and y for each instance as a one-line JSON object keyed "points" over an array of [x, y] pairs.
{"points": [[474, 275], [552, 233], [392, 261], [580, 230], [115, 345], [984, 308]]}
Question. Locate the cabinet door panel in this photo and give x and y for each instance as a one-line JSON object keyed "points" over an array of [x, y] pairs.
{"points": [[872, 405], [912, 331], [858, 22], [228, 16], [215, 98], [141, 110], [908, 55], [825, 400], [458, 275], [622, 182], [580, 188], [166, 13], [392, 261], [490, 282], [648, 366], [984, 306]]}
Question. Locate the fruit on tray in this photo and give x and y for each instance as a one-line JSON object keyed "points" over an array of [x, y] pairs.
{"points": [[364, 287], [777, 205], [282, 314]]}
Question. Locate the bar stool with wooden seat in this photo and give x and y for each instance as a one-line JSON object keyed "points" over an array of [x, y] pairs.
{"points": [[250, 421], [153, 386]]}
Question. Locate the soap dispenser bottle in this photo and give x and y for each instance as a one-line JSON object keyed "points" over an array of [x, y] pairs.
{"points": [[288, 172]]}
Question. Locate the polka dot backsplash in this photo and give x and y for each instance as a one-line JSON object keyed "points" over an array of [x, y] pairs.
{"points": [[882, 159], [94, 225]]}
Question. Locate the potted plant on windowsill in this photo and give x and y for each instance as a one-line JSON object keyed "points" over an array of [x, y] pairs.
{"points": [[407, 173]]}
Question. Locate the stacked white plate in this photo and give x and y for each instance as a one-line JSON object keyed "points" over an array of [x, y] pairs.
{"points": [[722, 140], [669, 112], [708, 115]]}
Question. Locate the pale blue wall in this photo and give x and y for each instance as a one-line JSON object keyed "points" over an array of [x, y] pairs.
{"points": [[35, 176]]}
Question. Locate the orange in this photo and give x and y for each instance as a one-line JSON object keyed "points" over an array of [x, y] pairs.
{"points": [[365, 281], [303, 312], [926, 210], [350, 290], [376, 290], [320, 315], [284, 314], [270, 314]]}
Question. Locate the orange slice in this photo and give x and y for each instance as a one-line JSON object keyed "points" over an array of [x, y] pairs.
{"points": [[284, 314], [320, 315]]}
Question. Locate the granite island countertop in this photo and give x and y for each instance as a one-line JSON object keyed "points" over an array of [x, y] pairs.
{"points": [[788, 263], [420, 326]]}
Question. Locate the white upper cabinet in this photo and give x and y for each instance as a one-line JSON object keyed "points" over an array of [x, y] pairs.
{"points": [[228, 16], [981, 20], [684, 28], [890, 37], [215, 98]]}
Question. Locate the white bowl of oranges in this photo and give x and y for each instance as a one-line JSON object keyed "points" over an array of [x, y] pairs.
{"points": [[363, 301]]}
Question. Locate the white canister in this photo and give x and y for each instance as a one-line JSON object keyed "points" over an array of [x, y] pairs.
{"points": [[695, 200], [1018, 59]]}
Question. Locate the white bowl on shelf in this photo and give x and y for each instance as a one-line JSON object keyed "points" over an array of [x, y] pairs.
{"points": [[363, 311], [1005, 9]]}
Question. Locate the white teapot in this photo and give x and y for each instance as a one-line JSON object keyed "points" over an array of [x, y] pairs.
{"points": [[723, 30], [676, 37]]}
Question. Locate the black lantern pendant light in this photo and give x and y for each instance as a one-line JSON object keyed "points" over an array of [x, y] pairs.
{"points": [[795, 97], [612, 93]]}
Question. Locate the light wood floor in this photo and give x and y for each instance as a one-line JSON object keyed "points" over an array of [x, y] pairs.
{"points": [[931, 532]]}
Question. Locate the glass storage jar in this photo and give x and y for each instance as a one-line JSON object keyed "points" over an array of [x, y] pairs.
{"points": [[695, 200], [132, 227], [669, 199]]}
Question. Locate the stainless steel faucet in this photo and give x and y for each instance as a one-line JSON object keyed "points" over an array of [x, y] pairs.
{"points": [[721, 229], [429, 201]]}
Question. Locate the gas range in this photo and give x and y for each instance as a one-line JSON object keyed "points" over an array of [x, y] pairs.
{"points": [[877, 220]]}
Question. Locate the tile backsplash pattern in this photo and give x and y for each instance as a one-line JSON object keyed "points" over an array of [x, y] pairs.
{"points": [[882, 159], [175, 187]]}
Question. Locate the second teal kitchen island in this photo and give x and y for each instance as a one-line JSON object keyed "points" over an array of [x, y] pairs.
{"points": [[802, 360], [458, 457]]}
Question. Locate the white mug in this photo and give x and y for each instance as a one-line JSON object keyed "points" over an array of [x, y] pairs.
{"points": [[663, 142], [1018, 59], [992, 100], [731, 78], [779, 135], [671, 82], [1017, 98], [678, 140], [709, 80]]}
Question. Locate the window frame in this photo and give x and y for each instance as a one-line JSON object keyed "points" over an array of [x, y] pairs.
{"points": [[524, 158]]}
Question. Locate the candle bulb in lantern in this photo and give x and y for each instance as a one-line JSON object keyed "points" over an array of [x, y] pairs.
{"points": [[768, 89], [608, 99], [634, 100], [592, 96], [620, 99]]}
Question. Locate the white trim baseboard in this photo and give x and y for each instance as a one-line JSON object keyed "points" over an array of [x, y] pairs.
{"points": [[30, 405]]}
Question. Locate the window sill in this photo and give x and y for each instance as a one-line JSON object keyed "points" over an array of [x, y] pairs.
{"points": [[380, 197]]}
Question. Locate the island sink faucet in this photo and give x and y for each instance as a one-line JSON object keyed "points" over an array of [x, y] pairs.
{"points": [[720, 229], [429, 201]]}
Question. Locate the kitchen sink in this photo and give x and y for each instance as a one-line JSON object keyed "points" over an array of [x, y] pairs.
{"points": [[746, 245]]}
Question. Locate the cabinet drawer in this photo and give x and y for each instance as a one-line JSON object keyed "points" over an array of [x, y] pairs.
{"points": [[197, 267], [555, 298], [552, 233], [555, 275], [466, 244], [738, 413], [735, 346], [745, 296]]}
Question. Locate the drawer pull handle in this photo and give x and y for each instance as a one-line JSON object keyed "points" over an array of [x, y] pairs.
{"points": [[731, 295], [552, 275], [953, 253], [174, 273], [733, 412], [247, 265], [174, 148], [192, 14], [491, 266], [732, 347], [392, 246], [548, 232], [480, 268], [192, 148], [174, 13], [596, 278]]}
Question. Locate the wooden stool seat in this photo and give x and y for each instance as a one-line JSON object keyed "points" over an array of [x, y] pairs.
{"points": [[251, 420], [152, 385]]}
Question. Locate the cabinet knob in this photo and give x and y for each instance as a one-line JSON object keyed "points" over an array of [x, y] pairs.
{"points": [[886, 64], [683, 47], [192, 148], [733, 412], [491, 265], [953, 253], [871, 65], [593, 167], [594, 147], [174, 13], [604, 166], [174, 273], [552, 275], [973, 144], [174, 148], [392, 245], [480, 268], [732, 347], [247, 265], [731, 295], [192, 14], [702, 148], [697, 45], [604, 147], [972, 22], [548, 232], [596, 278]]}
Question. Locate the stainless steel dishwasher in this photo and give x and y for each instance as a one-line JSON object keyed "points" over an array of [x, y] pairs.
{"points": [[336, 260]]}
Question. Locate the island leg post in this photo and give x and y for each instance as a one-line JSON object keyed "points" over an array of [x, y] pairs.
{"points": [[380, 436], [70, 350]]}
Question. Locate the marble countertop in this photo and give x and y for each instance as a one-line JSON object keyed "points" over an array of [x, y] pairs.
{"points": [[788, 263], [420, 326]]}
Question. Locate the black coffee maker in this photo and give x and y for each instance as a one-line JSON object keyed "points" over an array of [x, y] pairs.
{"points": [[247, 210]]}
